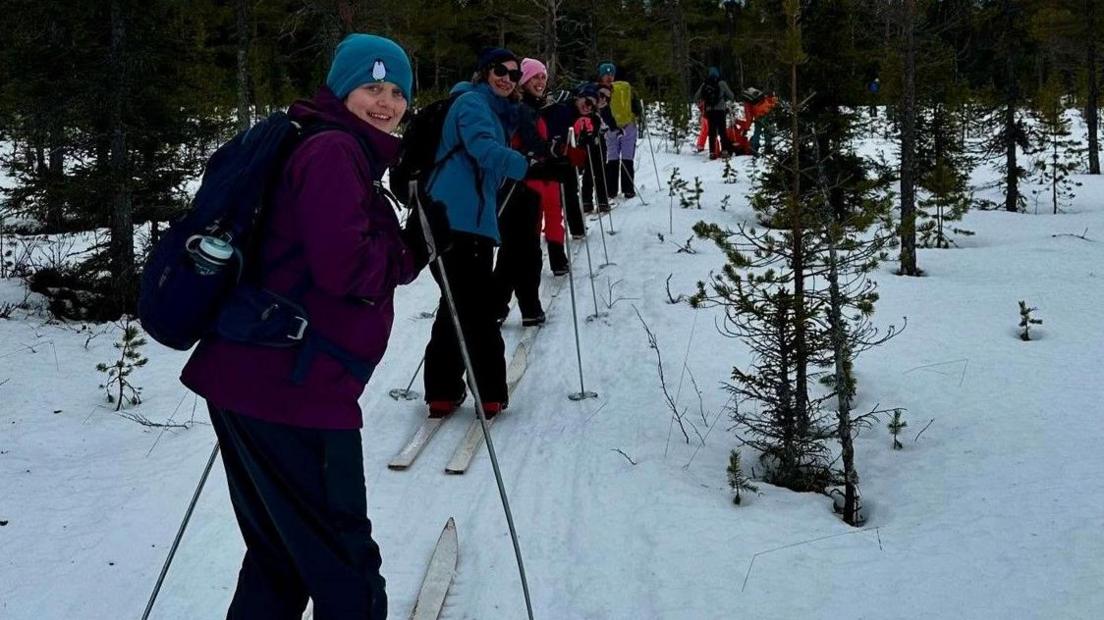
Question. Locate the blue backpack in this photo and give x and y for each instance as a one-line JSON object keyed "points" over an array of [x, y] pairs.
{"points": [[180, 302]]}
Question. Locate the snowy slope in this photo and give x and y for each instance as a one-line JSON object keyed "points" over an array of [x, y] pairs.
{"points": [[994, 512]]}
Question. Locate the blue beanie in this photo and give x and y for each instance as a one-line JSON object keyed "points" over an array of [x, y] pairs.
{"points": [[607, 68], [492, 55], [365, 58], [714, 72]]}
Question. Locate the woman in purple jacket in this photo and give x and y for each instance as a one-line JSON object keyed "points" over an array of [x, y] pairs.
{"points": [[288, 423]]}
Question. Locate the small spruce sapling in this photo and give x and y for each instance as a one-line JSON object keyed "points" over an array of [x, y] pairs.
{"points": [[737, 481], [729, 175], [691, 198], [696, 193], [895, 426], [676, 185], [1026, 321], [119, 386]]}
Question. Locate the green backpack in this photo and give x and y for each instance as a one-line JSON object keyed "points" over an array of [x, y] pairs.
{"points": [[621, 104]]}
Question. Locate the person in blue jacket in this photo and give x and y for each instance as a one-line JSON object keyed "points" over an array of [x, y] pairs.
{"points": [[474, 163]]}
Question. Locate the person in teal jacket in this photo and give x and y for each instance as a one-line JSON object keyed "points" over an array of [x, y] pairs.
{"points": [[474, 163], [475, 159]]}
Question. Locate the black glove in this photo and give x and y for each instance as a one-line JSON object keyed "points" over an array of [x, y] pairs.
{"points": [[414, 236]]}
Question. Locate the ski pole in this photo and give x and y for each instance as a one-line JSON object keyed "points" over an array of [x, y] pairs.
{"points": [[407, 394], [636, 190], [507, 200], [609, 214], [180, 532], [601, 226], [431, 246], [582, 393], [652, 149], [582, 218]]}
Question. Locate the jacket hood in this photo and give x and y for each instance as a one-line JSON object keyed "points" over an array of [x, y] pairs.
{"points": [[461, 88], [505, 109], [326, 108]]}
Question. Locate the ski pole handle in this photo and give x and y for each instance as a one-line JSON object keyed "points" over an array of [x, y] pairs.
{"points": [[571, 137]]}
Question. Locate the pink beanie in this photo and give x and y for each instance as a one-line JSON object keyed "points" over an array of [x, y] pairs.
{"points": [[530, 68]]}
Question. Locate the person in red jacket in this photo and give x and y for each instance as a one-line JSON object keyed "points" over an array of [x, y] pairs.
{"points": [[287, 419], [559, 117]]}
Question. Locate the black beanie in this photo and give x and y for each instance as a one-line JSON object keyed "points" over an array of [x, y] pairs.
{"points": [[492, 55]]}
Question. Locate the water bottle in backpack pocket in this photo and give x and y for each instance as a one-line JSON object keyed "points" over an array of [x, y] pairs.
{"points": [[182, 289], [209, 254]]}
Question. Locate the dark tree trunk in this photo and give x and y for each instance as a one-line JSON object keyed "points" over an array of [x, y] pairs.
{"points": [[680, 50], [121, 247], [845, 428], [1011, 99], [1092, 106], [55, 199], [244, 36], [801, 354], [908, 145]]}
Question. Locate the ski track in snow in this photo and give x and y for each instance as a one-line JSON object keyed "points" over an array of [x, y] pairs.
{"points": [[996, 510]]}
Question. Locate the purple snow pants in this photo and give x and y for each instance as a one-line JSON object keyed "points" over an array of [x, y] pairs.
{"points": [[621, 144]]}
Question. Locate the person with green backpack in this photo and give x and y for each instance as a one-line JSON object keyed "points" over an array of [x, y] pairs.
{"points": [[622, 116]]}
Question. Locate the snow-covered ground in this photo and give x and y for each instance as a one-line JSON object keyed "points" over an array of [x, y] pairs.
{"points": [[996, 511]]}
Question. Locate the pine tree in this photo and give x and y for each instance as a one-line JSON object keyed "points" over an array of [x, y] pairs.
{"points": [[1011, 49], [1059, 155], [895, 426], [943, 176], [1027, 320], [729, 174], [119, 386], [737, 481]]}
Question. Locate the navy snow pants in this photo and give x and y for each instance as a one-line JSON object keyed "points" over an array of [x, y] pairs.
{"points": [[300, 501]]}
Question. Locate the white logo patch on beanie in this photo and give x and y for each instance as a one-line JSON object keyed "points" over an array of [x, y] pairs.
{"points": [[379, 70]]}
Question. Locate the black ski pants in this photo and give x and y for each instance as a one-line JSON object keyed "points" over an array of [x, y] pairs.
{"points": [[300, 501], [572, 211], [594, 185], [468, 266], [518, 265], [718, 131]]}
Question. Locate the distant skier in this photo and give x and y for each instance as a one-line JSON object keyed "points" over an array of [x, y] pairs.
{"points": [[624, 114], [572, 113], [714, 95]]}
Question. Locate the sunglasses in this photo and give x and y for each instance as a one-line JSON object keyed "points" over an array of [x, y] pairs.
{"points": [[503, 70], [590, 103], [603, 97]]}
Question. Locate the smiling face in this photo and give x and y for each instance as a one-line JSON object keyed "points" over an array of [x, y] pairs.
{"points": [[380, 104], [536, 84], [603, 97], [503, 85], [585, 105]]}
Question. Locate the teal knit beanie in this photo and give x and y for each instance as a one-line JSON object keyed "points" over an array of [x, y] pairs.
{"points": [[365, 58]]}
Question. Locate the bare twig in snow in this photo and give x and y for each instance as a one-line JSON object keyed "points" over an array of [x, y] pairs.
{"points": [[627, 457], [914, 439], [653, 344], [1081, 236], [805, 542], [671, 299]]}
